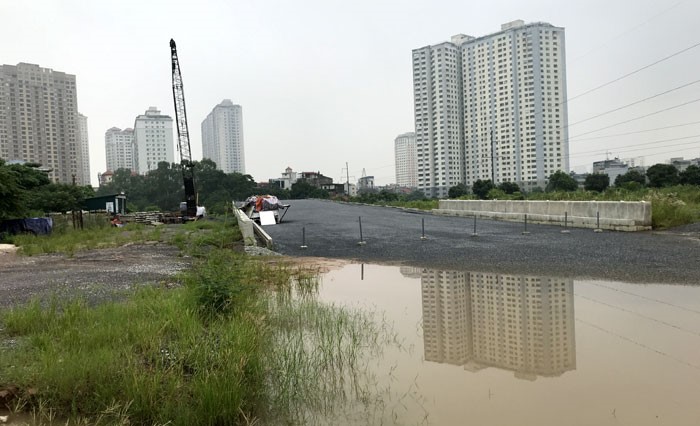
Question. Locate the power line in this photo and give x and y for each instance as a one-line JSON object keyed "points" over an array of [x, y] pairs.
{"points": [[642, 345], [636, 132], [632, 104], [646, 298], [668, 324], [638, 144], [609, 40], [633, 72], [656, 153], [640, 117]]}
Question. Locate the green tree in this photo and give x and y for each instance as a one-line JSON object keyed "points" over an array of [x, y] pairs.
{"points": [[597, 182], [56, 197], [661, 175], [509, 187], [17, 183], [481, 188], [458, 190], [560, 181], [303, 189], [691, 175], [634, 177]]}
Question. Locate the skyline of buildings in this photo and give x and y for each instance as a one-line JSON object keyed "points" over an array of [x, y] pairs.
{"points": [[40, 121], [491, 107], [524, 324], [222, 137]]}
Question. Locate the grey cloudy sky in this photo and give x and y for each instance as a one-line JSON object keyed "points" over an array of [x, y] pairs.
{"points": [[325, 82]]}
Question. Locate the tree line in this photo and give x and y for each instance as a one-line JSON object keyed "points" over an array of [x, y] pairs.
{"points": [[656, 176]]}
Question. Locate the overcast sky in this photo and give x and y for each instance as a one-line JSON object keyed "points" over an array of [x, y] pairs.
{"points": [[326, 82]]}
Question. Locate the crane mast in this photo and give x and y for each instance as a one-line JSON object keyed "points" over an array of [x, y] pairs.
{"points": [[183, 135]]}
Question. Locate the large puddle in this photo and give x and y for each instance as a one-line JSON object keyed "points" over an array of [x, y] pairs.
{"points": [[488, 349]]}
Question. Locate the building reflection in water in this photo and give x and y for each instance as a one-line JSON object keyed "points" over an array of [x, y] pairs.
{"points": [[520, 323]]}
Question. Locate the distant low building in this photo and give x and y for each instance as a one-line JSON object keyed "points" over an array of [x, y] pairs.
{"points": [[315, 179], [365, 183], [681, 164], [289, 178], [613, 168], [105, 178]]}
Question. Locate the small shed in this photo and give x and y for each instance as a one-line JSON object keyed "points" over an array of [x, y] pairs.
{"points": [[113, 203]]}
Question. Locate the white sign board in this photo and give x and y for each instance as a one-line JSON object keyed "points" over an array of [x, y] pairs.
{"points": [[110, 207], [267, 218]]}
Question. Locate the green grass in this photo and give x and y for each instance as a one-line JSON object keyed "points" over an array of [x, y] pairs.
{"points": [[241, 341], [70, 241]]}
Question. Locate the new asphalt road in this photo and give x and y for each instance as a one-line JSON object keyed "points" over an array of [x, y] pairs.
{"points": [[394, 236]]}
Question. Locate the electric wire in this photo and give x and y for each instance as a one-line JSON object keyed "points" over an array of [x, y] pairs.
{"points": [[635, 147], [645, 297], [635, 132], [640, 344], [668, 324], [633, 72], [631, 104], [640, 117], [627, 31]]}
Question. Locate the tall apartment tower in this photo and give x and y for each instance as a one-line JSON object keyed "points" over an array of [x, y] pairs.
{"points": [[492, 107], [119, 149], [222, 137], [39, 120], [405, 159], [153, 140], [84, 148]]}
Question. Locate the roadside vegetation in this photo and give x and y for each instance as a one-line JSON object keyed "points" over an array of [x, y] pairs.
{"points": [[239, 341]]}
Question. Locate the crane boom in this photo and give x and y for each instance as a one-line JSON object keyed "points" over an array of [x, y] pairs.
{"points": [[183, 135]]}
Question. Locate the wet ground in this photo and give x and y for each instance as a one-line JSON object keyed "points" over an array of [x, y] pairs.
{"points": [[502, 349]]}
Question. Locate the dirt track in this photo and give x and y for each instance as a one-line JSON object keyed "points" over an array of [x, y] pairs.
{"points": [[95, 274]]}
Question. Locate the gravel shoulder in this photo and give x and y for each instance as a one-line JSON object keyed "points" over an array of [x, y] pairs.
{"points": [[96, 275]]}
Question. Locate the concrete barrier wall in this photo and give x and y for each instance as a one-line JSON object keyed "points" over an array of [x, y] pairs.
{"points": [[614, 215], [245, 224]]}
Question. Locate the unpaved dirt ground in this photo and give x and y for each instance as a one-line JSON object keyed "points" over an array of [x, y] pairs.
{"points": [[96, 275]]}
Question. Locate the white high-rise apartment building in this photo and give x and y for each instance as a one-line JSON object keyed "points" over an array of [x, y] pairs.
{"points": [[153, 140], [492, 107], [84, 148], [405, 159], [119, 149], [39, 120], [222, 137]]}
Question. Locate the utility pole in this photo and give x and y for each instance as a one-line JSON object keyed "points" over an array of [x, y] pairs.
{"points": [[347, 181]]}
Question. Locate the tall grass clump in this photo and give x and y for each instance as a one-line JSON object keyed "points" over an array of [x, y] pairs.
{"points": [[240, 342]]}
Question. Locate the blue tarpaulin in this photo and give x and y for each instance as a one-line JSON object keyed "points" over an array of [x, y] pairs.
{"points": [[34, 225]]}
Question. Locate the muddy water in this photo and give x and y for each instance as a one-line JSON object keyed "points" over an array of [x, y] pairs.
{"points": [[490, 349]]}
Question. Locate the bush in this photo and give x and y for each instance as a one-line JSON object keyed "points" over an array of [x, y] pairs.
{"points": [[458, 190], [560, 181], [481, 188]]}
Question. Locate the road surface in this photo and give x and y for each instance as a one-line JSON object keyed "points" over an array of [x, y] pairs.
{"points": [[394, 236]]}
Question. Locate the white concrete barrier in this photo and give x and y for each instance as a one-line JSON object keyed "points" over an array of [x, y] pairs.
{"points": [[614, 215], [245, 224]]}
